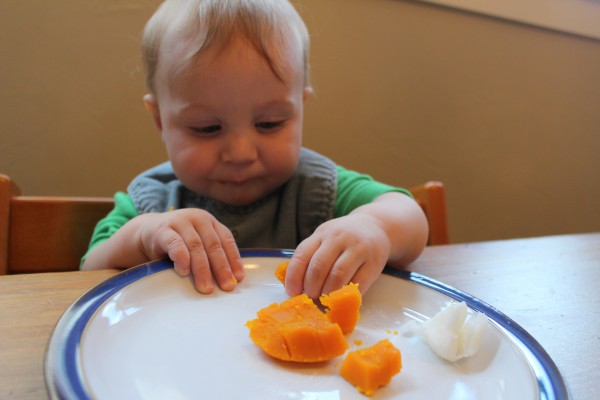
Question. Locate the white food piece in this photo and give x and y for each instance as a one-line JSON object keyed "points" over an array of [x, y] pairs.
{"points": [[453, 333]]}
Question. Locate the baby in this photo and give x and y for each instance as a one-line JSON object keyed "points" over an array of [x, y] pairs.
{"points": [[227, 84]]}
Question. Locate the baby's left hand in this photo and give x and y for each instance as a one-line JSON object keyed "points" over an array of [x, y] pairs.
{"points": [[353, 248]]}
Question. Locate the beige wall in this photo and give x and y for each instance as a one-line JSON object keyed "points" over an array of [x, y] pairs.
{"points": [[506, 115]]}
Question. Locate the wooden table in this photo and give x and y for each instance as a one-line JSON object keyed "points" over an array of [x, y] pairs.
{"points": [[548, 285]]}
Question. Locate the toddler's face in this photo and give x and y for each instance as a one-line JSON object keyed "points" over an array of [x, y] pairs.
{"points": [[232, 128]]}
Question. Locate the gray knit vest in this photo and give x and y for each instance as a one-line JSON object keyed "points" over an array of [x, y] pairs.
{"points": [[281, 220]]}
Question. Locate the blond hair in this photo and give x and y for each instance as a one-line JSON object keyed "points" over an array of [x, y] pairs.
{"points": [[271, 26]]}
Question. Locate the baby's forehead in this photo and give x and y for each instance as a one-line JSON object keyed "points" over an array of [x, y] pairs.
{"points": [[181, 51]]}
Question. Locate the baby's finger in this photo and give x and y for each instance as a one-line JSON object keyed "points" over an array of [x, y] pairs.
{"points": [[199, 261], [231, 252], [217, 259], [319, 268], [366, 275], [296, 269], [342, 272], [172, 244]]}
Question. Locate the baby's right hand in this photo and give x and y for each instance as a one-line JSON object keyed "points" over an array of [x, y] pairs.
{"points": [[196, 242]]}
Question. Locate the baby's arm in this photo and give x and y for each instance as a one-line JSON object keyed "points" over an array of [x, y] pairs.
{"points": [[390, 230], [192, 238]]}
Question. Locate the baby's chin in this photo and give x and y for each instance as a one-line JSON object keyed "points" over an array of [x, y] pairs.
{"points": [[240, 197], [239, 194]]}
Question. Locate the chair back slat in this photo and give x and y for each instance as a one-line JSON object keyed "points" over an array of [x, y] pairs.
{"points": [[52, 233], [45, 234], [431, 196]]}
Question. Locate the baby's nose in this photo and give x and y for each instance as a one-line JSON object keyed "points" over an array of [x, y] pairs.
{"points": [[240, 148]]}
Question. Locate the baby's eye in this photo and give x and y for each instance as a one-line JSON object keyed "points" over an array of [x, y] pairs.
{"points": [[209, 130], [268, 126]]}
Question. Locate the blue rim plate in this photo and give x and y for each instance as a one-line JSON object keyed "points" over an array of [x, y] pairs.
{"points": [[66, 375]]}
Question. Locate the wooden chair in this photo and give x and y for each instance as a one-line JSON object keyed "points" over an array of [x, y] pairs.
{"points": [[431, 196], [45, 234]]}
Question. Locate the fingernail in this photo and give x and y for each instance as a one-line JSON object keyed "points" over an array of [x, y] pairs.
{"points": [[206, 288], [182, 271], [229, 285], [238, 276]]}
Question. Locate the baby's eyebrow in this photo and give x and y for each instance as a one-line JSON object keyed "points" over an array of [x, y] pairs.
{"points": [[192, 109], [285, 103]]}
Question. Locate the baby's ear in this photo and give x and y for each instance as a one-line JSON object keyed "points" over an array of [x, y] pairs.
{"points": [[308, 91], [152, 106]]}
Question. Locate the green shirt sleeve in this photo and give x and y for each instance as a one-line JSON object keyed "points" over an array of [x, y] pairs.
{"points": [[356, 189], [123, 211]]}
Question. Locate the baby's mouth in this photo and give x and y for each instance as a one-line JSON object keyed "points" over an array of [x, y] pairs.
{"points": [[237, 181], [232, 182]]}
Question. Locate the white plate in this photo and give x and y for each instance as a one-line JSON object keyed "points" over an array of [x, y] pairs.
{"points": [[147, 334]]}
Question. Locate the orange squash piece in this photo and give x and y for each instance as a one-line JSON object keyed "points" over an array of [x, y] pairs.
{"points": [[280, 271], [343, 306], [369, 368], [296, 330]]}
